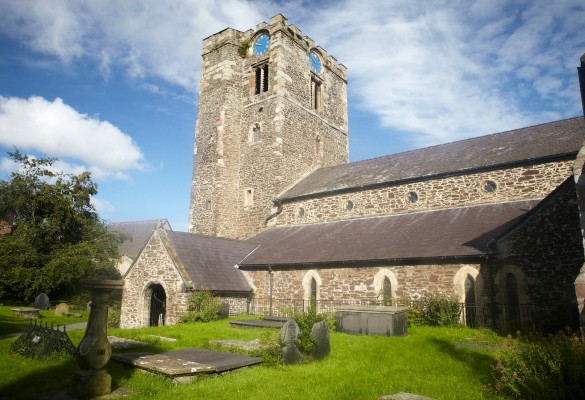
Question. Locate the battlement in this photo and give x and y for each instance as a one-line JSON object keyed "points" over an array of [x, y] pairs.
{"points": [[278, 23]]}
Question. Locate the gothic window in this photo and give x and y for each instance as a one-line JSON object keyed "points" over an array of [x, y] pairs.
{"points": [[313, 297], [311, 285], [261, 81], [387, 292], [316, 98]]}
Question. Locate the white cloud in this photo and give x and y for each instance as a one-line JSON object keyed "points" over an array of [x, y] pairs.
{"points": [[438, 70], [102, 206], [56, 129]]}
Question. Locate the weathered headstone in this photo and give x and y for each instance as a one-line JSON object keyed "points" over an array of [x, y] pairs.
{"points": [[288, 336], [88, 306], [224, 310], [62, 309], [320, 336], [41, 302]]}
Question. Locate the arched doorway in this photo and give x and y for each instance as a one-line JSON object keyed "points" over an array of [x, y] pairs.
{"points": [[158, 305]]}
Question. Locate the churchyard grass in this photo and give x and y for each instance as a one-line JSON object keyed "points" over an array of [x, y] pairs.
{"points": [[427, 362], [10, 323]]}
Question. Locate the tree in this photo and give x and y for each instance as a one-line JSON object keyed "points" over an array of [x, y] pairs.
{"points": [[57, 236]]}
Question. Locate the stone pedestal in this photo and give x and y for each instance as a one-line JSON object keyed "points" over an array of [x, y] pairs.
{"points": [[94, 351], [90, 383]]}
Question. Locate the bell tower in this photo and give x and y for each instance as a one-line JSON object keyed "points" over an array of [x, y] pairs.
{"points": [[272, 109]]}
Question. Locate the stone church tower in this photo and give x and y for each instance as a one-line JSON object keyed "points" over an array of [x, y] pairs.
{"points": [[272, 109]]}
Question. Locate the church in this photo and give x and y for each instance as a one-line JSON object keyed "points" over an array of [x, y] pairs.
{"points": [[279, 218]]}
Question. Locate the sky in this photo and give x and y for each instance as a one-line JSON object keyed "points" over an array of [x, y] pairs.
{"points": [[111, 86]]}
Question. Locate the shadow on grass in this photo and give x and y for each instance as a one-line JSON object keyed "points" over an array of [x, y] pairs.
{"points": [[47, 376], [480, 363]]}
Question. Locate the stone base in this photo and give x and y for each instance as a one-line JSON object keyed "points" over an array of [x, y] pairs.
{"points": [[87, 384]]}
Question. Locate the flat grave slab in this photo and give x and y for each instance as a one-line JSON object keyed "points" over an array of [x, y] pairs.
{"points": [[256, 323], [187, 363]]}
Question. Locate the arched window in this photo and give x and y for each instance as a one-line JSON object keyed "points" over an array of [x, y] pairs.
{"points": [[256, 133], [387, 292], [313, 297], [311, 287], [385, 284], [470, 309]]}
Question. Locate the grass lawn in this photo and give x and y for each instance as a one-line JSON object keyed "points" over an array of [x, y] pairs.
{"points": [[426, 362], [10, 323]]}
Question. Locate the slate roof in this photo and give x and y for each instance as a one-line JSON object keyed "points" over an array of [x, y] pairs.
{"points": [[211, 262], [139, 231], [546, 141], [448, 233]]}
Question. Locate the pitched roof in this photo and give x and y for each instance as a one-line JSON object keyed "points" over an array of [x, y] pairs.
{"points": [[210, 261], [540, 142], [139, 231], [447, 233]]}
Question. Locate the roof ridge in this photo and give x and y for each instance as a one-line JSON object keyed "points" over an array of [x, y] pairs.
{"points": [[455, 141]]}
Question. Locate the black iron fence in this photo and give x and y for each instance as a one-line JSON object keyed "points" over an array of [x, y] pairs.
{"points": [[501, 317]]}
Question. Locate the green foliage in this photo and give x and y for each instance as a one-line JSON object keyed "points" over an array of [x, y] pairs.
{"points": [[441, 310], [243, 48], [57, 237], [542, 368], [203, 306], [306, 320], [415, 316], [114, 315]]}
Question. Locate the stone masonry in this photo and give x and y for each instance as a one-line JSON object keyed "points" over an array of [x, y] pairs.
{"points": [[154, 266], [524, 182], [237, 176]]}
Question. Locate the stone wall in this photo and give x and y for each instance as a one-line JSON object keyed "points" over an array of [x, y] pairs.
{"points": [[525, 182], [153, 266], [548, 249], [365, 283]]}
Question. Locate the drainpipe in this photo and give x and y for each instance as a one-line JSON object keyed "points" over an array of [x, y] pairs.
{"points": [[270, 298]]}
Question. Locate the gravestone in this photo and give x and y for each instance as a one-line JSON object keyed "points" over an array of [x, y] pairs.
{"points": [[224, 310], [88, 306], [42, 302], [288, 337], [62, 309], [320, 336]]}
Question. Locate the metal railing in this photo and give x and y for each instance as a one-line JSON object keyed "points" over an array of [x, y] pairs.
{"points": [[500, 317]]}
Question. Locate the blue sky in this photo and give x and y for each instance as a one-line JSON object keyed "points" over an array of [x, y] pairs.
{"points": [[111, 86]]}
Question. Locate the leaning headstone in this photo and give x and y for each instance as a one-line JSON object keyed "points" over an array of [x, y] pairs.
{"points": [[320, 337], [42, 302], [88, 306], [288, 336], [62, 309]]}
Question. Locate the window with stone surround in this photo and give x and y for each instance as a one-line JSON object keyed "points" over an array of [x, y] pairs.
{"points": [[261, 78], [412, 197], [489, 186], [316, 97], [248, 197], [256, 134], [385, 284], [311, 287], [318, 146]]}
